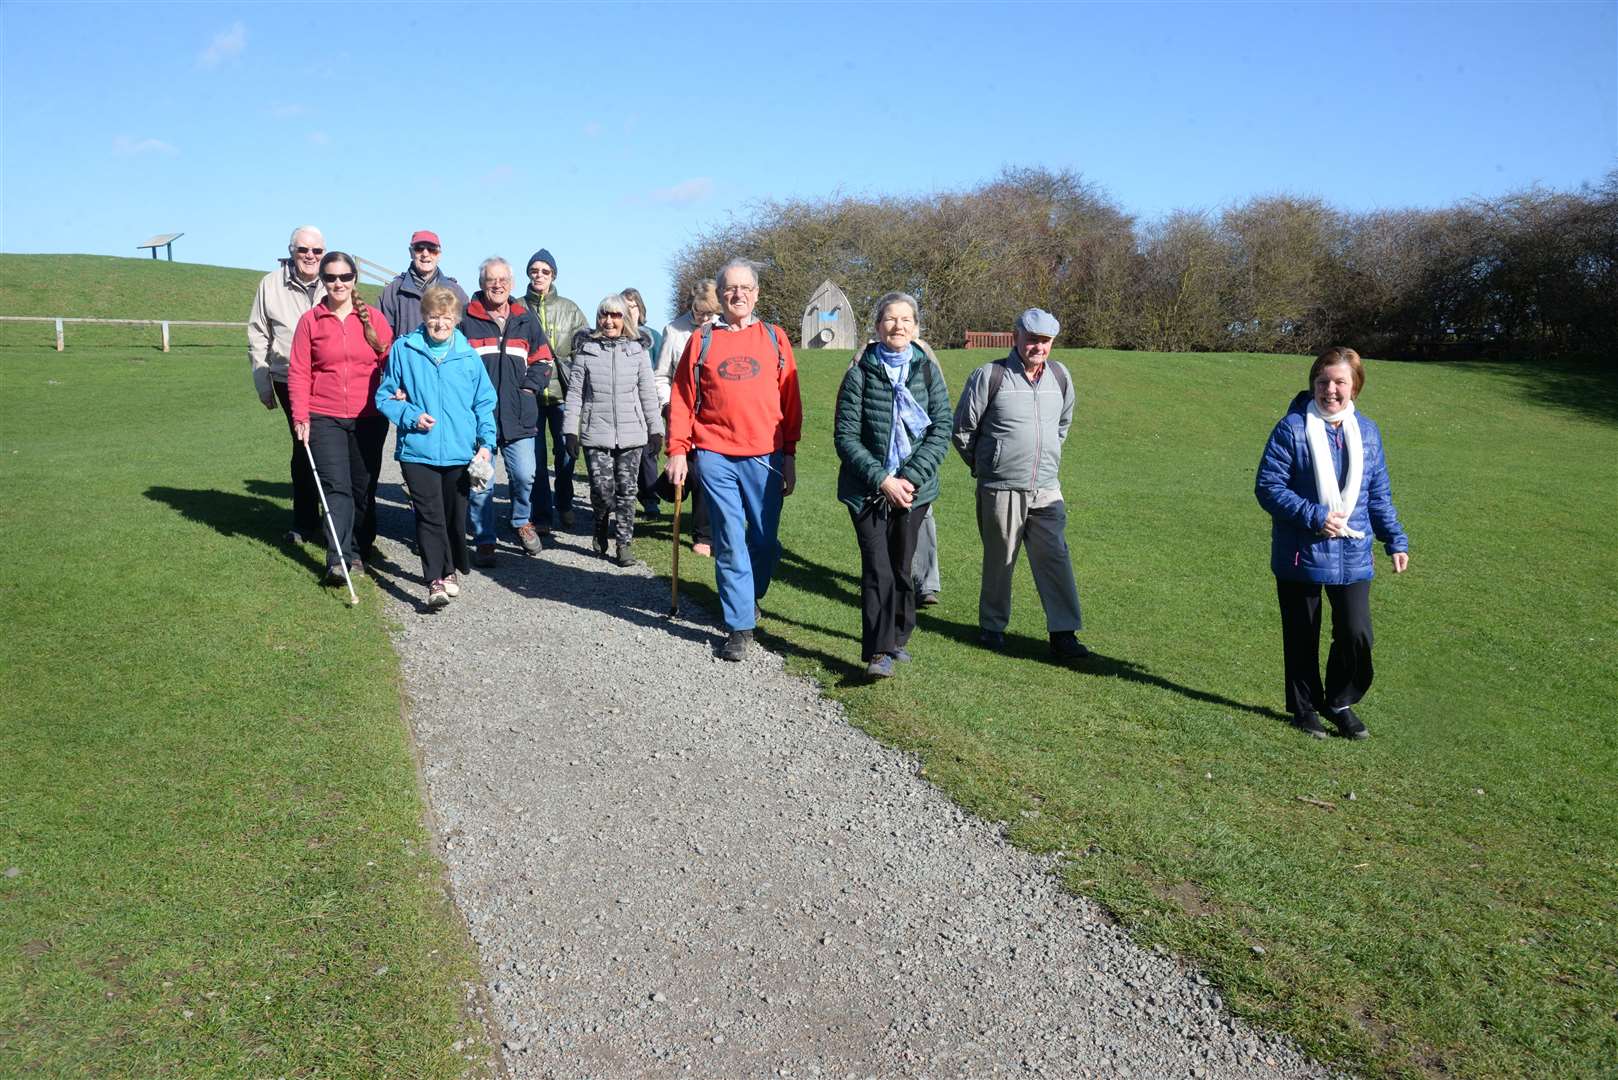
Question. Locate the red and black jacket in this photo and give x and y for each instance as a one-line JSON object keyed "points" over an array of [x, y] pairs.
{"points": [[519, 361]]}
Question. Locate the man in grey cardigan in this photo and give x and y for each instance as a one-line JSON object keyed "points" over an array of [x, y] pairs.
{"points": [[284, 295], [1012, 420]]}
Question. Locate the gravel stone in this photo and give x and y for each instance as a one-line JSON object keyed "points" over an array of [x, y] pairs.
{"points": [[619, 810]]}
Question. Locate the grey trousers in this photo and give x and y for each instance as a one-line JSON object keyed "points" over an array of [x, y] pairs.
{"points": [[613, 475], [1007, 520], [924, 567]]}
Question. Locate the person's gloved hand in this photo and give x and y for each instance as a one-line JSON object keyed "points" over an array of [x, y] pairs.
{"points": [[655, 444], [572, 443]]}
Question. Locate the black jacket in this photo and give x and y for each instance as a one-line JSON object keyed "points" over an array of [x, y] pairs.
{"points": [[519, 361]]}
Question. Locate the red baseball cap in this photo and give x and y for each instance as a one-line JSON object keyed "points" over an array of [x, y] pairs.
{"points": [[424, 236]]}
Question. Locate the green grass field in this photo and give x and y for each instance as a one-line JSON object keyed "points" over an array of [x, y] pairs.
{"points": [[1454, 915], [212, 839], [210, 798]]}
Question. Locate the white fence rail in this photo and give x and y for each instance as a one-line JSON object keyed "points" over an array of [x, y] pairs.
{"points": [[61, 336]]}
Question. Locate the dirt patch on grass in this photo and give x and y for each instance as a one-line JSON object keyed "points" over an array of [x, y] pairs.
{"points": [[1190, 898]]}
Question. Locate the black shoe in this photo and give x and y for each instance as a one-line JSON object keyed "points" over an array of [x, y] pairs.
{"points": [[567, 519], [622, 557], [992, 639], [736, 645], [1066, 646], [599, 541], [1351, 726], [1309, 724], [292, 537], [927, 599]]}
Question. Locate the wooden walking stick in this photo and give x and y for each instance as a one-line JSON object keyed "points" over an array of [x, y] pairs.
{"points": [[674, 578]]}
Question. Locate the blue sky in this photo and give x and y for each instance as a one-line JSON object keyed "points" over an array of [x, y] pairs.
{"points": [[613, 133]]}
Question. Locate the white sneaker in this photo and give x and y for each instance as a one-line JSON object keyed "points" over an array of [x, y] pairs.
{"points": [[452, 585]]}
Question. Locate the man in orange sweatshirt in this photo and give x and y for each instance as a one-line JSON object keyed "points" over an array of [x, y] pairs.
{"points": [[735, 404]]}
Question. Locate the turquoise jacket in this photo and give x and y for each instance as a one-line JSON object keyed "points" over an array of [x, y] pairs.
{"points": [[455, 391]]}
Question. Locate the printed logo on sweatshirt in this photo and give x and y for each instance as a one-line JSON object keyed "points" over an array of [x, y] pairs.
{"points": [[737, 368]]}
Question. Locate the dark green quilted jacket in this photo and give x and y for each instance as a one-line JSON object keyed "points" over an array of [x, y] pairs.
{"points": [[864, 427]]}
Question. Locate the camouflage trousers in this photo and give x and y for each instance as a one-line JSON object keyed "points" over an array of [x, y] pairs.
{"points": [[614, 477]]}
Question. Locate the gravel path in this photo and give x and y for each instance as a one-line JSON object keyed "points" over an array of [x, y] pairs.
{"points": [[675, 866]]}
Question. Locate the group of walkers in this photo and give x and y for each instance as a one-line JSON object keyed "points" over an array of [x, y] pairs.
{"points": [[472, 377]]}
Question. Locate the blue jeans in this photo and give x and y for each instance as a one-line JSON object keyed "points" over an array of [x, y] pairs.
{"points": [[744, 506], [519, 459], [550, 416]]}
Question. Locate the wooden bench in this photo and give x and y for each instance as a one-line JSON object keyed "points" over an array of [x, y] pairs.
{"points": [[980, 339]]}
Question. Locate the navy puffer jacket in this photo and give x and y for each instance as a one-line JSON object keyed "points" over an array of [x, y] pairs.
{"points": [[1285, 487]]}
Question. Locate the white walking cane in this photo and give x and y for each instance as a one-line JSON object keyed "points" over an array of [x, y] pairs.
{"points": [[331, 528]]}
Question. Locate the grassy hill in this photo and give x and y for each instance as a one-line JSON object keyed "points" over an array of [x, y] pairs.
{"points": [[108, 287]]}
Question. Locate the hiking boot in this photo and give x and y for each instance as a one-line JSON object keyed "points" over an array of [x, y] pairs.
{"points": [[1065, 645], [437, 595], [292, 537], [356, 569], [622, 556], [880, 667], [705, 550], [528, 536], [452, 585], [900, 655], [599, 540], [567, 519], [927, 599], [736, 645], [1309, 724], [1351, 726], [992, 639], [483, 556], [334, 574]]}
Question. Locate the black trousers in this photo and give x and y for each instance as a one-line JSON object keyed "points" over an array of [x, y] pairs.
{"points": [[348, 457], [438, 494], [887, 539], [648, 476], [1348, 664], [305, 503]]}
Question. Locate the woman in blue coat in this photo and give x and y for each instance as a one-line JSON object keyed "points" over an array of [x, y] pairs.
{"points": [[437, 392], [1324, 481]]}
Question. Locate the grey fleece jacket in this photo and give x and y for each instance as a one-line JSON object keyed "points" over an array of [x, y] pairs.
{"points": [[612, 396], [1015, 442]]}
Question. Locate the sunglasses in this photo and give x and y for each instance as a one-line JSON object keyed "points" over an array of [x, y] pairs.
{"points": [[329, 278], [310, 251], [425, 247], [610, 315]]}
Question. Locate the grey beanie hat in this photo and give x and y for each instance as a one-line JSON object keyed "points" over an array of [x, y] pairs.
{"points": [[1039, 323]]}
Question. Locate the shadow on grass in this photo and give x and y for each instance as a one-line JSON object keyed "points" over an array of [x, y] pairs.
{"points": [[1586, 387], [232, 514], [1097, 665]]}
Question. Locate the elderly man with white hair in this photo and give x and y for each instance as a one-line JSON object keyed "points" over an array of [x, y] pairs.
{"points": [[1013, 417], [734, 404], [518, 357], [284, 295]]}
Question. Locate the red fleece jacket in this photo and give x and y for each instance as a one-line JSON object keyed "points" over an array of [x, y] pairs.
{"points": [[750, 402], [332, 370]]}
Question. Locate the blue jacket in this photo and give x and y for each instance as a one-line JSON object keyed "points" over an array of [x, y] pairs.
{"points": [[1285, 487], [456, 391]]}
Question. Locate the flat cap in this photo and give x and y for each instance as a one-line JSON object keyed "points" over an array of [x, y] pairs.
{"points": [[1038, 322]]}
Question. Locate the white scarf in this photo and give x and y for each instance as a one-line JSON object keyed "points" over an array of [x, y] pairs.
{"points": [[1314, 426]]}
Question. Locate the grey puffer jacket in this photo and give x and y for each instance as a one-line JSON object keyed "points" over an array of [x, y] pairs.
{"points": [[1014, 442], [612, 396]]}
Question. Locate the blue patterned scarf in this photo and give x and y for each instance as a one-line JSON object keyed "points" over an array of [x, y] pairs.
{"points": [[910, 420]]}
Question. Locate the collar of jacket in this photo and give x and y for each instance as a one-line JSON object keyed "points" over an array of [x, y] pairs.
{"points": [[323, 312], [416, 341], [290, 279]]}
